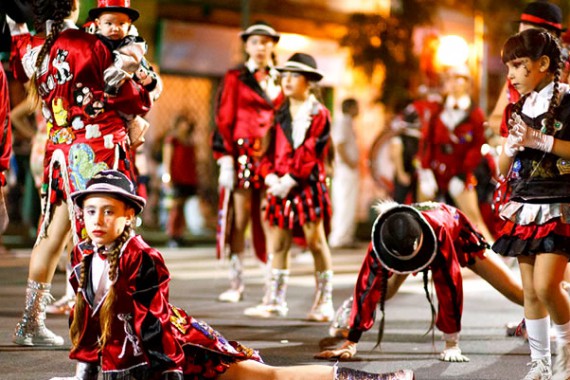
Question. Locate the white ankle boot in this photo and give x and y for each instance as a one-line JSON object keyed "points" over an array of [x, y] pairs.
{"points": [[31, 330], [235, 292], [322, 309], [274, 302]]}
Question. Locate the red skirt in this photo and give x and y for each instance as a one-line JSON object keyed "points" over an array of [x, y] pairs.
{"points": [[527, 240]]}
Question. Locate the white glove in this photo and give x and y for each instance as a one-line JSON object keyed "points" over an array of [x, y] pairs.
{"points": [[456, 186], [281, 189], [226, 178], [529, 137], [346, 351], [428, 184], [271, 180]]}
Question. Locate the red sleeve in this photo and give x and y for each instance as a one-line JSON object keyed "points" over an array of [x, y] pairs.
{"points": [[314, 148], [226, 109], [367, 294], [5, 124], [474, 156], [504, 122]]}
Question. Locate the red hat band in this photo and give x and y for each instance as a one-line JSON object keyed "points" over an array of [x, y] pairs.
{"points": [[539, 20], [113, 3]]}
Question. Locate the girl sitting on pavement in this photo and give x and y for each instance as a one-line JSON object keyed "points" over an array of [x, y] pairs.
{"points": [[123, 323]]}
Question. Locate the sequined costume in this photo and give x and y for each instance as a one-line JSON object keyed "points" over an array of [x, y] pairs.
{"points": [[458, 243], [300, 149], [149, 336], [537, 213], [451, 145], [86, 133], [245, 113]]}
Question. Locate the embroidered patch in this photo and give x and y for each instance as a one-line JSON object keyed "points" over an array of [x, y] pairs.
{"points": [[92, 131], [62, 136], [59, 109], [108, 141], [563, 166], [82, 165], [77, 123], [178, 320]]}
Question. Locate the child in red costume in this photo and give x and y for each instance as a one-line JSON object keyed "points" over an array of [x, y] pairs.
{"points": [[123, 324], [421, 237], [298, 200], [87, 134], [245, 112]]}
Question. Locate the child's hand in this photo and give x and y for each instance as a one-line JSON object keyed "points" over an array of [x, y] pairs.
{"points": [[346, 351], [513, 144]]}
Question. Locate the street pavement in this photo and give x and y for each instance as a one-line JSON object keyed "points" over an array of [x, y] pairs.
{"points": [[197, 279]]}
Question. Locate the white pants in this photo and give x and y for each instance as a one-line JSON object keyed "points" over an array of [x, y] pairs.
{"points": [[344, 203]]}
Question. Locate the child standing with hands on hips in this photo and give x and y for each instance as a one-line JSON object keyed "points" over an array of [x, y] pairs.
{"points": [[297, 195], [123, 323], [535, 162]]}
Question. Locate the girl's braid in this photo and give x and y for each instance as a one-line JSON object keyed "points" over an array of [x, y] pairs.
{"points": [[106, 314]]}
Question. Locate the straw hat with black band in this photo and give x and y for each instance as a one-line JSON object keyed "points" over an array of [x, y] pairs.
{"points": [[114, 184]]}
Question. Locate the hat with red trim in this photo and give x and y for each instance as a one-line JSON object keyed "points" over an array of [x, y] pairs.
{"points": [[543, 14], [119, 6]]}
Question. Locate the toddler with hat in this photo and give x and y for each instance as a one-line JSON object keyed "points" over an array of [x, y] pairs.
{"points": [[113, 24]]}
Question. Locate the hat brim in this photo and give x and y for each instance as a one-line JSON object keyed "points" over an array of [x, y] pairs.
{"points": [[312, 75], [135, 201], [544, 26], [244, 36], [132, 13], [421, 260]]}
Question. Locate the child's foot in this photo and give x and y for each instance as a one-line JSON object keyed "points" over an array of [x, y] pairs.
{"points": [[539, 370]]}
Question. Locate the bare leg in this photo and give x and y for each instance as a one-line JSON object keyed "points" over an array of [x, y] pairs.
{"points": [[493, 270], [317, 244], [281, 241], [250, 369], [549, 269], [242, 212], [394, 284], [45, 254], [468, 203]]}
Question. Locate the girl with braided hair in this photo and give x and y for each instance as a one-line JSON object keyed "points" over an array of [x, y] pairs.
{"points": [[86, 134], [123, 324], [421, 237], [535, 162]]}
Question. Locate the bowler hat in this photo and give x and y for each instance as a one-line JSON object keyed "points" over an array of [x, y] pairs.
{"points": [[114, 184], [304, 64], [260, 28], [543, 14], [402, 240], [119, 6]]}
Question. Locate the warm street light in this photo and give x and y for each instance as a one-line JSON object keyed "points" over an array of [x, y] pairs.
{"points": [[452, 51]]}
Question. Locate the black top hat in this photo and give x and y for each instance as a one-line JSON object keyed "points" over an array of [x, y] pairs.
{"points": [[114, 184], [402, 240], [119, 6], [304, 64], [260, 28], [543, 14]]}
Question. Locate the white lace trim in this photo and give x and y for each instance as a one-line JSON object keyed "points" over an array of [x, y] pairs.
{"points": [[530, 213], [303, 119]]}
